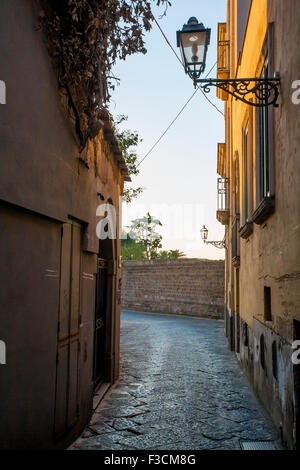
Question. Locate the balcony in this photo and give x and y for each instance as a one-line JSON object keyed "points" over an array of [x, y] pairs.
{"points": [[223, 201]]}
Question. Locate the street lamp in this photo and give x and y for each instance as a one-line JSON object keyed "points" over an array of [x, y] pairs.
{"points": [[193, 41], [217, 244], [204, 233]]}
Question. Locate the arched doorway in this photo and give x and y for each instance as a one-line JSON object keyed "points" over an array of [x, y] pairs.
{"points": [[104, 313]]}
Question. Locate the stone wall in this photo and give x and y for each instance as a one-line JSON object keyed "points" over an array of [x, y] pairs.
{"points": [[186, 286]]}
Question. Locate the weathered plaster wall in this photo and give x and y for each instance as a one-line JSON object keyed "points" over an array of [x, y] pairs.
{"points": [[45, 182], [275, 389], [46, 173], [270, 256], [185, 286]]}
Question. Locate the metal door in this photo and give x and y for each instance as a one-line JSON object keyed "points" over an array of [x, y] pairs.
{"points": [[68, 345], [100, 320]]}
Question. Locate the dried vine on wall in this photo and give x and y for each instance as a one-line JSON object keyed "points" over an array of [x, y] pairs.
{"points": [[85, 39]]}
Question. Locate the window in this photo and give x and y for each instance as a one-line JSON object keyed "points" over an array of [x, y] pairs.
{"points": [[267, 304], [247, 177], [264, 142], [235, 245], [242, 16], [264, 146], [236, 185], [246, 172]]}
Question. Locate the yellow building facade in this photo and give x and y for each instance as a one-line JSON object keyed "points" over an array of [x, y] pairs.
{"points": [[259, 169]]}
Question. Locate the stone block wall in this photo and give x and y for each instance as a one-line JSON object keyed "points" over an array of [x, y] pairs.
{"points": [[185, 287]]}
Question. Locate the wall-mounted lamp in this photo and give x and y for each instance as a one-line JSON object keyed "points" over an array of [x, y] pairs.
{"points": [[217, 244], [193, 41]]}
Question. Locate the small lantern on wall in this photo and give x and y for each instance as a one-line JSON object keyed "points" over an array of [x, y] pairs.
{"points": [[217, 244], [204, 233]]}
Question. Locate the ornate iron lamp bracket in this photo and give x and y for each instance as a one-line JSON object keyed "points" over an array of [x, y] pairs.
{"points": [[217, 244], [264, 90]]}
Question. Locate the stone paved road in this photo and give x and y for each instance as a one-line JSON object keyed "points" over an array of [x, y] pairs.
{"points": [[180, 388]]}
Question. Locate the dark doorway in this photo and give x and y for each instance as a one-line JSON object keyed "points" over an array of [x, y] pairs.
{"points": [[100, 321], [237, 310], [297, 386], [103, 312], [237, 332], [232, 333]]}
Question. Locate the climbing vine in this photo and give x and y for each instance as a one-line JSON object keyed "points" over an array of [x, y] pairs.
{"points": [[85, 39]]}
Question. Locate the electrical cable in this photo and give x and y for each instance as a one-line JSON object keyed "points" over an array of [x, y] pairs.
{"points": [[170, 125], [180, 61], [188, 101]]}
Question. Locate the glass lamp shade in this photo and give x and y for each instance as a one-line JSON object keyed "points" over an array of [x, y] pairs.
{"points": [[204, 233], [193, 41]]}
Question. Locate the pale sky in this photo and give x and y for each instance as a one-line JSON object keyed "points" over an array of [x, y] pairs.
{"points": [[180, 174]]}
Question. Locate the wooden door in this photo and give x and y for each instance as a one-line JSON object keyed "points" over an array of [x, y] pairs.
{"points": [[68, 344]]}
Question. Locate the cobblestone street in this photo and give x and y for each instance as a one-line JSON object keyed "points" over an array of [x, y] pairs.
{"points": [[180, 388]]}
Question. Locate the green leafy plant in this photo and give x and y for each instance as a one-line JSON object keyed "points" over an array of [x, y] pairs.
{"points": [[128, 141], [144, 230], [142, 241], [171, 254], [132, 249]]}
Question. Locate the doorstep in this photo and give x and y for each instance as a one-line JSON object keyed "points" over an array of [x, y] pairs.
{"points": [[99, 393]]}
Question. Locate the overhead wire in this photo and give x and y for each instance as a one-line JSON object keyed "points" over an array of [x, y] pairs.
{"points": [[170, 125], [180, 61], [188, 101]]}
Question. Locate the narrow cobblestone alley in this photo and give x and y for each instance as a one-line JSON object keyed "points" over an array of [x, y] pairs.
{"points": [[180, 388]]}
